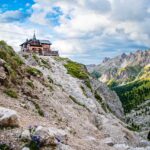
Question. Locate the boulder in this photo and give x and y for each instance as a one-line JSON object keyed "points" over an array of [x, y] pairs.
{"points": [[25, 148], [108, 141], [64, 147], [59, 134], [8, 118], [2, 62], [46, 137], [2, 73], [51, 136], [25, 136], [121, 147]]}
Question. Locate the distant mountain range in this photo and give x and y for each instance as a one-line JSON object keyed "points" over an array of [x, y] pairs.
{"points": [[129, 76], [121, 69]]}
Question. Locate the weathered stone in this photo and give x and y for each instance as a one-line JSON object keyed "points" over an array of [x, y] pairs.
{"points": [[25, 136], [46, 137], [51, 136], [8, 117], [64, 147], [25, 148], [2, 62], [108, 141], [2, 73], [60, 135], [144, 143]]}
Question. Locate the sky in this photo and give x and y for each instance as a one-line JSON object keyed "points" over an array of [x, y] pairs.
{"points": [[86, 31]]}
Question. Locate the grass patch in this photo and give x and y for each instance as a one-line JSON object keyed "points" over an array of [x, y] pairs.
{"points": [[33, 71], [83, 90], [13, 63], [45, 64], [25, 56], [88, 84], [76, 70], [30, 83], [57, 58], [39, 110], [133, 127], [8, 54], [36, 58], [100, 101], [11, 93], [75, 101], [79, 71]]}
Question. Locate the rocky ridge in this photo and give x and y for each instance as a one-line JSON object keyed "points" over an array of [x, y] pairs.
{"points": [[58, 110], [123, 68]]}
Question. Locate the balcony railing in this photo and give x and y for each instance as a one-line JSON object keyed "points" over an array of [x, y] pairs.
{"points": [[51, 53]]}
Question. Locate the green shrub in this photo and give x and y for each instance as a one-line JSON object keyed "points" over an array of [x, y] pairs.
{"points": [[11, 93]]}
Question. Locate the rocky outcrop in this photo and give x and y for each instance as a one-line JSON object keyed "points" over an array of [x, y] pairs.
{"points": [[109, 97], [8, 118], [2, 71]]}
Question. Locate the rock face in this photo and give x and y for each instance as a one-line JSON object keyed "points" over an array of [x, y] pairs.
{"points": [[8, 117], [109, 97]]}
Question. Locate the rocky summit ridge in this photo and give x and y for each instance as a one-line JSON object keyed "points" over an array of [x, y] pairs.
{"points": [[121, 69], [53, 103]]}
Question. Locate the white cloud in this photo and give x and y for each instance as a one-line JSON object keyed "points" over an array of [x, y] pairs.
{"points": [[130, 9], [14, 34], [87, 27]]}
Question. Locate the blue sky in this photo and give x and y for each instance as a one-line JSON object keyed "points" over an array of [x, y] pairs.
{"points": [[85, 30]]}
